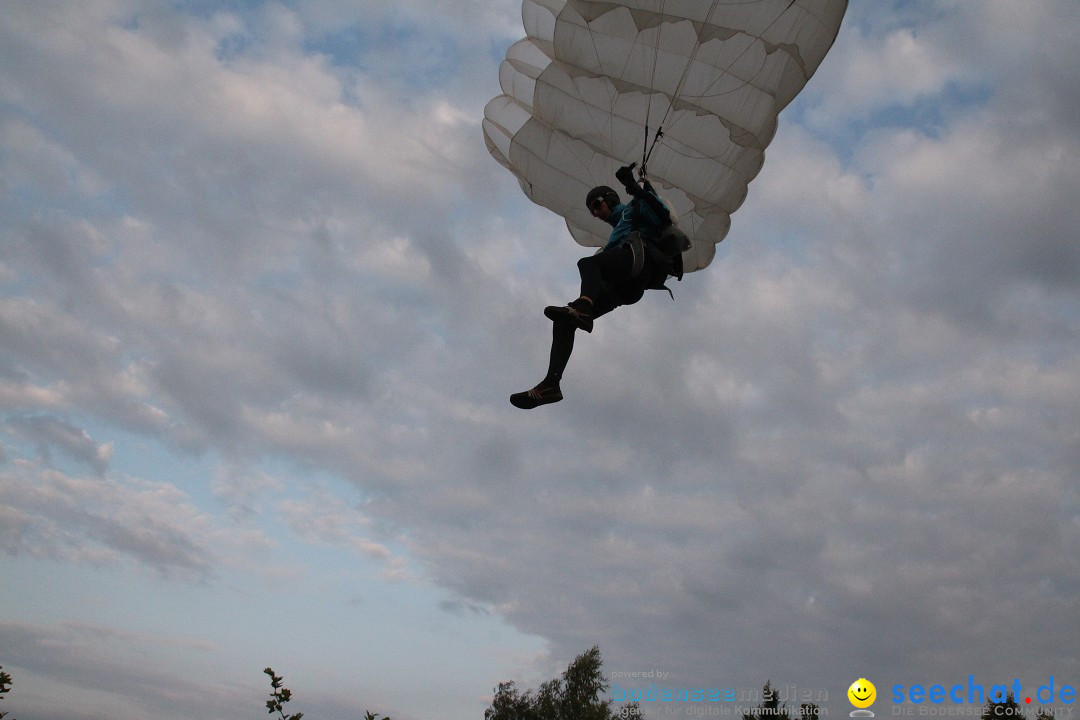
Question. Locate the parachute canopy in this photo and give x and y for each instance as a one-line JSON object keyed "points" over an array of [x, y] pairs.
{"points": [[585, 91]]}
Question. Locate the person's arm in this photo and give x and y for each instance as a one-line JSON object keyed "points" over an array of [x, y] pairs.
{"points": [[625, 175]]}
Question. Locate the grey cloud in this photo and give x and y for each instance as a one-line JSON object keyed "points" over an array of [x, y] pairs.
{"points": [[47, 433], [103, 521], [72, 656]]}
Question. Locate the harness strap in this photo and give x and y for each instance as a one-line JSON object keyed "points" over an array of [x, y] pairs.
{"points": [[637, 250]]}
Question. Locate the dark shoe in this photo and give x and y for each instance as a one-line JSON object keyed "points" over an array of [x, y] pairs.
{"points": [[539, 395], [570, 314]]}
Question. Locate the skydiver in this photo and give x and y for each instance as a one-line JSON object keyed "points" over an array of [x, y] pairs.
{"points": [[630, 263]]}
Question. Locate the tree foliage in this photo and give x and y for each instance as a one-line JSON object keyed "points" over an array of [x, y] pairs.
{"points": [[1009, 709], [576, 695], [5, 688], [279, 695]]}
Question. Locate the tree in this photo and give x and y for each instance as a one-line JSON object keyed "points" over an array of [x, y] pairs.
{"points": [[1009, 709], [5, 688], [771, 708], [574, 696], [280, 695]]}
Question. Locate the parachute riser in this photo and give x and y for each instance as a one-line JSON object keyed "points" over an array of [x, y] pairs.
{"points": [[648, 148]]}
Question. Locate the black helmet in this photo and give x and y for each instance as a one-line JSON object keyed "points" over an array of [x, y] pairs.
{"points": [[602, 191]]}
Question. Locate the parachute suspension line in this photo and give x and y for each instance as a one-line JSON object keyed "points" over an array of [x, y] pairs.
{"points": [[726, 70], [647, 149], [647, 152], [571, 151], [772, 22], [609, 117], [690, 60]]}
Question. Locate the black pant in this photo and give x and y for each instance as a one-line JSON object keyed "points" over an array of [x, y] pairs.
{"points": [[600, 271], [605, 279]]}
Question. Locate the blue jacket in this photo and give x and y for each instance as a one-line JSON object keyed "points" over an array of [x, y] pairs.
{"points": [[622, 221]]}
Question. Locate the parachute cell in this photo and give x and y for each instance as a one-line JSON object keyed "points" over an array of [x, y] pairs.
{"points": [[586, 89]]}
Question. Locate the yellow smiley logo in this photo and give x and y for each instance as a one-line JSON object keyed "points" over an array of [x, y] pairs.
{"points": [[862, 693]]}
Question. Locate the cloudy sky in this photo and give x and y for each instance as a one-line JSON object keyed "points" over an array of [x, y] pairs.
{"points": [[264, 295]]}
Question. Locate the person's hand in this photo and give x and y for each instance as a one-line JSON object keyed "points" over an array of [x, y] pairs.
{"points": [[625, 175]]}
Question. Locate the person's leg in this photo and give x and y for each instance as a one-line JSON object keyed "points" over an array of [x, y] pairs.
{"points": [[562, 337], [562, 346], [597, 272], [603, 268], [548, 391]]}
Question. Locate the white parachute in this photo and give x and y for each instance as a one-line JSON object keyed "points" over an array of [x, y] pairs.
{"points": [[593, 80]]}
